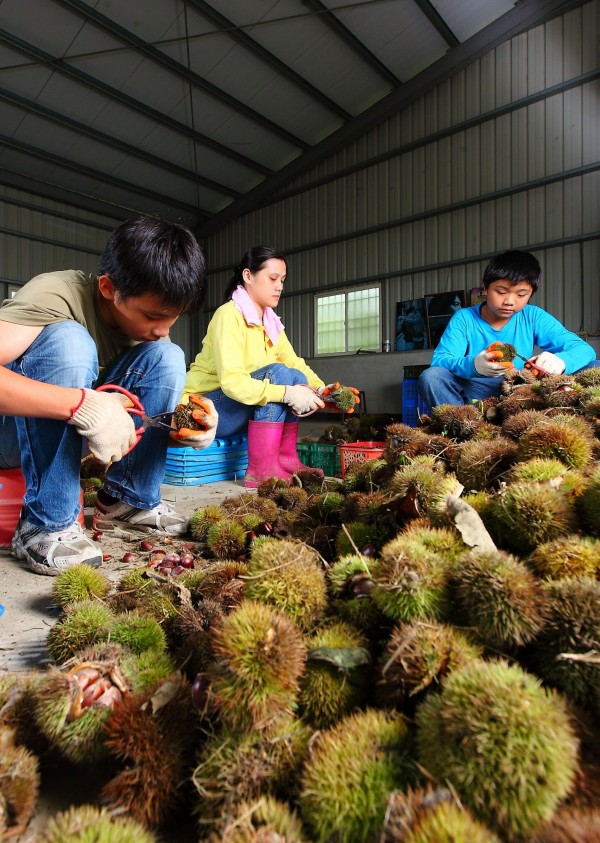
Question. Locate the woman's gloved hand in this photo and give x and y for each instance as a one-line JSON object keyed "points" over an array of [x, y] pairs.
{"points": [[204, 415], [549, 363], [487, 365], [342, 398], [302, 399]]}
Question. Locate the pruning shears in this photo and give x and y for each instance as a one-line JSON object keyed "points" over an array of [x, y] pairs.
{"points": [[136, 408], [532, 366]]}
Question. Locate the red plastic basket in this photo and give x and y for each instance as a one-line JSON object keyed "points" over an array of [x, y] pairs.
{"points": [[359, 452]]}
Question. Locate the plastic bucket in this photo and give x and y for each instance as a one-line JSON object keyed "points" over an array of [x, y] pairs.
{"points": [[12, 489]]}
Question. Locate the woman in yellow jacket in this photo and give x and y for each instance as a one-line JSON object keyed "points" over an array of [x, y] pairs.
{"points": [[251, 373]]}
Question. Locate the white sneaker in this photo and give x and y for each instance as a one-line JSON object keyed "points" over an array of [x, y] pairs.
{"points": [[50, 553], [161, 519]]}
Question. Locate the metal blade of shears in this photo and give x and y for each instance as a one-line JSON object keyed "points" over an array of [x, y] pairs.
{"points": [[159, 420]]}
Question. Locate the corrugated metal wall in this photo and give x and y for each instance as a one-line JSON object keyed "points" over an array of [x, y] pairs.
{"points": [[504, 154], [39, 235]]}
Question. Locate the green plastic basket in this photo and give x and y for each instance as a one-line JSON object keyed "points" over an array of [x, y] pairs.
{"points": [[320, 455]]}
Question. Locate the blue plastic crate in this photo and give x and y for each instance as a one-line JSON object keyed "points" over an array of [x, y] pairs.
{"points": [[412, 403], [225, 459]]}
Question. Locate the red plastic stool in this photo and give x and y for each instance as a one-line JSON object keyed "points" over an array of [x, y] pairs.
{"points": [[12, 489]]}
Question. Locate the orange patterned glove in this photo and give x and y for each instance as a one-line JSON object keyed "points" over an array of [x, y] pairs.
{"points": [[204, 415]]}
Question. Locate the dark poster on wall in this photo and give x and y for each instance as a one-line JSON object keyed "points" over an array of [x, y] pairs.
{"points": [[411, 325], [440, 307]]}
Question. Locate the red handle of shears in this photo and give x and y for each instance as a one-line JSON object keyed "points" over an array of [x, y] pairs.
{"points": [[136, 408]]}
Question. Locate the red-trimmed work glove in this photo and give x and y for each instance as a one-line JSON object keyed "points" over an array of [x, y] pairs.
{"points": [[102, 419], [486, 362], [206, 417]]}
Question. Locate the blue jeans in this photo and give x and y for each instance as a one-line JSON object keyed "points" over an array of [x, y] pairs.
{"points": [[49, 451], [438, 385], [234, 416]]}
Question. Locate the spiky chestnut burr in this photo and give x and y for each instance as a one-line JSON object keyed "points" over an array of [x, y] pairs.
{"points": [[204, 518], [351, 585], [155, 734], [84, 624], [526, 515], [260, 656], [266, 820], [369, 476], [137, 633], [429, 815], [247, 503], [588, 377], [17, 692], [556, 439], [91, 466], [570, 556], [503, 742], [79, 583], [411, 580], [288, 576], [89, 824], [71, 707], [499, 597], [190, 636], [334, 683], [572, 628], [291, 499], [588, 504], [422, 489], [227, 539], [570, 826], [326, 508], [19, 785], [417, 656], [222, 582], [355, 535], [350, 773], [559, 391], [482, 464], [402, 441], [456, 422], [236, 767]]}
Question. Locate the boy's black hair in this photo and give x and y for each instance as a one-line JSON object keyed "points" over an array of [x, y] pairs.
{"points": [[148, 255], [254, 260], [513, 266]]}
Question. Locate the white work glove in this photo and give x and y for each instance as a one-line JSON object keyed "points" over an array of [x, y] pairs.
{"points": [[205, 415], [109, 429], [549, 362], [302, 399], [486, 364]]}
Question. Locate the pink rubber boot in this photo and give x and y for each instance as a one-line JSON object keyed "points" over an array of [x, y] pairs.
{"points": [[288, 452], [264, 440]]}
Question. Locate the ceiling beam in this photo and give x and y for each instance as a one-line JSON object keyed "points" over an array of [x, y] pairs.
{"points": [[524, 16], [97, 175], [269, 58], [153, 114], [434, 17], [157, 56], [126, 148], [352, 41]]}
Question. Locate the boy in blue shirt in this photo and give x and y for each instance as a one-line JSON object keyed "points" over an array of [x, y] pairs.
{"points": [[463, 368]]}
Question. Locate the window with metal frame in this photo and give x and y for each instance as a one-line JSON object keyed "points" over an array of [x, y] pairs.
{"points": [[347, 321]]}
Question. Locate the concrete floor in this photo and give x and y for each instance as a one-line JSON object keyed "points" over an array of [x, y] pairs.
{"points": [[30, 612], [29, 609]]}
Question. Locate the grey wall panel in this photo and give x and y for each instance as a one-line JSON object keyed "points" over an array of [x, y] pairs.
{"points": [[422, 202]]}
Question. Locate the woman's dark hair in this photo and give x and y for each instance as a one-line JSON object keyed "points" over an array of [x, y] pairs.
{"points": [[149, 255], [513, 266], [254, 260]]}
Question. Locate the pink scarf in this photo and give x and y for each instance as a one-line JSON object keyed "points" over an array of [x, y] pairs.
{"points": [[271, 322]]}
